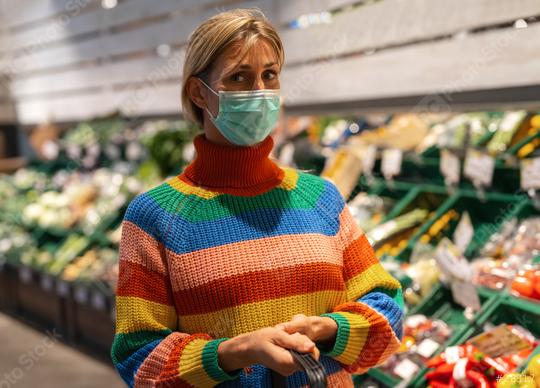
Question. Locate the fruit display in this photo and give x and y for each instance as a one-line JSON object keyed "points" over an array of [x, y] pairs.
{"points": [[62, 219], [95, 265], [370, 210], [526, 284], [467, 365], [422, 337], [507, 260]]}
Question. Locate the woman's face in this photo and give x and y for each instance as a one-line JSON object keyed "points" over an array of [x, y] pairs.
{"points": [[258, 69]]}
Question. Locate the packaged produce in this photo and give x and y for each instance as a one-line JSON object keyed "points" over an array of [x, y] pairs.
{"points": [[422, 337], [508, 252], [508, 127], [369, 210], [484, 360]]}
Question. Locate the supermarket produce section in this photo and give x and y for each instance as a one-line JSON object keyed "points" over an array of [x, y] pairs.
{"points": [[449, 202]]}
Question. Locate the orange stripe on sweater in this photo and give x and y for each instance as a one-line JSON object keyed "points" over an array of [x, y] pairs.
{"points": [[136, 280], [160, 368], [358, 257], [259, 286], [139, 247], [191, 270], [157, 366]]}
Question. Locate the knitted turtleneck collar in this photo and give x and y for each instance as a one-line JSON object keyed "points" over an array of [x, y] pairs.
{"points": [[233, 169]]}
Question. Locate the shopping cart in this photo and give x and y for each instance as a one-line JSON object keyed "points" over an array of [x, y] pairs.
{"points": [[314, 371]]}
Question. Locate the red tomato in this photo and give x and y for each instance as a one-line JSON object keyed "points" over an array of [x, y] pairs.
{"points": [[523, 286]]}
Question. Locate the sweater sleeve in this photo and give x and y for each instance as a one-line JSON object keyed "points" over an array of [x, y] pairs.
{"points": [[147, 349], [370, 322]]}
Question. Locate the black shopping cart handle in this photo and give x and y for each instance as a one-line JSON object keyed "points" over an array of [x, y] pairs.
{"points": [[313, 368]]}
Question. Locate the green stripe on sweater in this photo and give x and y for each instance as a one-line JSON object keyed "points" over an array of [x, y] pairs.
{"points": [[126, 344], [226, 205], [342, 335]]}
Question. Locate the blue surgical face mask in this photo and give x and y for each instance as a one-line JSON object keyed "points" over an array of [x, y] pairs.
{"points": [[246, 118]]}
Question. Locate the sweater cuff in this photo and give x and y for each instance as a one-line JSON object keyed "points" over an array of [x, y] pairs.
{"points": [[342, 335], [211, 364]]}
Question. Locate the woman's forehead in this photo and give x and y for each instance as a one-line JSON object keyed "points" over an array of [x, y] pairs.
{"points": [[259, 54]]}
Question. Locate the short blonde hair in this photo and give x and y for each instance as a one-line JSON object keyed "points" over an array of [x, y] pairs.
{"points": [[213, 36]]}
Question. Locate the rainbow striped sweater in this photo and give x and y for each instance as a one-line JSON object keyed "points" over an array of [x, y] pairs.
{"points": [[234, 244]]}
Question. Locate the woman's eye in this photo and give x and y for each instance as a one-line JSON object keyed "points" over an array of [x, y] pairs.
{"points": [[238, 77], [270, 75]]}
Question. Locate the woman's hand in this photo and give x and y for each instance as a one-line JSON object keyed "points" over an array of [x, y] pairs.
{"points": [[322, 330], [267, 346]]}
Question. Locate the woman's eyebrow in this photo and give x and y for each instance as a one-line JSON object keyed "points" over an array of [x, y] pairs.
{"points": [[248, 66]]}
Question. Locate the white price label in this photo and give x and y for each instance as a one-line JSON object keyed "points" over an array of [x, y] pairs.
{"points": [[25, 274], [62, 288], [464, 232], [406, 369], [450, 167], [530, 174], [368, 159], [451, 261], [81, 294], [46, 282], [98, 301], [391, 162], [465, 294], [427, 348], [479, 167]]}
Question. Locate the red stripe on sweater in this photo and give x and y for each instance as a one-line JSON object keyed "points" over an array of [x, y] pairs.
{"points": [[138, 281], [358, 257], [259, 286]]}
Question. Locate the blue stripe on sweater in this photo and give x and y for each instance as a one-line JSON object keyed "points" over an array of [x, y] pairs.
{"points": [[250, 225], [128, 368]]}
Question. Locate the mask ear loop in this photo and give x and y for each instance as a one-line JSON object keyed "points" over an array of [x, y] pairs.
{"points": [[213, 91]]}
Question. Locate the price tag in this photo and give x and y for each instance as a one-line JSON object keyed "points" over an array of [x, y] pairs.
{"points": [[451, 261], [499, 341], [98, 300], [50, 150], [368, 159], [427, 348], [465, 294], [479, 167], [406, 369], [452, 354], [450, 167], [464, 232], [46, 282], [112, 151], [530, 174], [81, 294], [391, 162], [62, 288], [25, 274]]}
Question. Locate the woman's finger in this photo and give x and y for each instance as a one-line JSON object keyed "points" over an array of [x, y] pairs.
{"points": [[296, 341]]}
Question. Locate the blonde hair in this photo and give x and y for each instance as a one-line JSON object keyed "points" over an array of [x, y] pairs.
{"points": [[213, 36]]}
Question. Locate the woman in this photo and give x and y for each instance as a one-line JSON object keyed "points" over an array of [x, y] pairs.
{"points": [[226, 266]]}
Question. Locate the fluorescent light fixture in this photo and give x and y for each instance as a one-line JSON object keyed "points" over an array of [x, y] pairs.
{"points": [[109, 4], [163, 50], [520, 23]]}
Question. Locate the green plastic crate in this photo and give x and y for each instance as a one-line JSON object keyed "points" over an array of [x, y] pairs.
{"points": [[502, 309]]}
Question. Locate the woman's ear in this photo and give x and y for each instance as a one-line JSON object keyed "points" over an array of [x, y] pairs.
{"points": [[196, 94]]}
